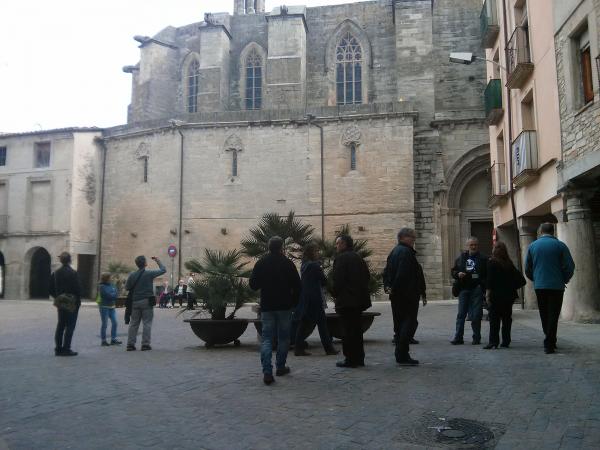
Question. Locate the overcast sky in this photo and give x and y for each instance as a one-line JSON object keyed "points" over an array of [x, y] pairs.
{"points": [[61, 60]]}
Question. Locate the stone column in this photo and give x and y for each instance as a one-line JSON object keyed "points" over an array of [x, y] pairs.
{"points": [[581, 300], [527, 234]]}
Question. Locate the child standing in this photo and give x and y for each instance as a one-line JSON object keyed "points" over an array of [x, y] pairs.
{"points": [[108, 298]]}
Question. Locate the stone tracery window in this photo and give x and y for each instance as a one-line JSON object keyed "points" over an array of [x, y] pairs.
{"points": [[253, 94], [193, 82], [348, 70], [233, 145]]}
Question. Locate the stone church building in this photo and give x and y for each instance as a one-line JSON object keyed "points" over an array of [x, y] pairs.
{"points": [[346, 114]]}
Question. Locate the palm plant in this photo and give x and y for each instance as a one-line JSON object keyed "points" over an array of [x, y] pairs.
{"points": [[118, 274], [295, 234], [223, 282], [327, 248]]}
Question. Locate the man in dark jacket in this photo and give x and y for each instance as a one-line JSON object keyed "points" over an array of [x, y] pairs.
{"points": [[470, 272], [403, 279], [550, 266], [279, 284], [65, 281], [351, 295]]}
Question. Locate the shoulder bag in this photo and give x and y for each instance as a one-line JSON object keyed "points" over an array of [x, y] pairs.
{"points": [[66, 302]]}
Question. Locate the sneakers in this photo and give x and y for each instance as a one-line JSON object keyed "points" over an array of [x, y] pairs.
{"points": [[407, 361], [457, 341], [268, 379], [131, 348], [146, 347], [282, 371], [115, 342], [104, 344]]}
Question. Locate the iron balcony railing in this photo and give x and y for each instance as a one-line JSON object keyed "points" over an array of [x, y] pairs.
{"points": [[525, 153], [518, 53], [493, 101], [488, 21]]}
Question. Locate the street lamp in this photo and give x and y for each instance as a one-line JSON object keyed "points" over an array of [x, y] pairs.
{"points": [[468, 58]]}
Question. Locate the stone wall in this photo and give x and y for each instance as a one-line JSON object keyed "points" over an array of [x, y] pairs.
{"points": [[278, 170]]}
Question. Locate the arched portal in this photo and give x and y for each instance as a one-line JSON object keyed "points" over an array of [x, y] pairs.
{"points": [[2, 275], [39, 273]]}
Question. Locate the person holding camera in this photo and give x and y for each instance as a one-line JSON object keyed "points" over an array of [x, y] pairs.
{"points": [[143, 301]]}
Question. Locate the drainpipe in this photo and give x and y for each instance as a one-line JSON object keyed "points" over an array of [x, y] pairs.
{"points": [[510, 159], [310, 117], [179, 232], [102, 144]]}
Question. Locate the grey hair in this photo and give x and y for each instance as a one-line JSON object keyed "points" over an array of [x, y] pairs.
{"points": [[472, 238], [405, 232]]}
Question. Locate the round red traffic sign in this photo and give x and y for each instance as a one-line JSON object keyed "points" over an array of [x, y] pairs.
{"points": [[172, 251]]}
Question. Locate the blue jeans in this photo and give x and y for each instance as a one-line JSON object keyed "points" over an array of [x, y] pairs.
{"points": [[105, 314], [470, 301], [275, 322]]}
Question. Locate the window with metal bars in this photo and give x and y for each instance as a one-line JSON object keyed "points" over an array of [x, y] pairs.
{"points": [[193, 82], [253, 95], [348, 71]]}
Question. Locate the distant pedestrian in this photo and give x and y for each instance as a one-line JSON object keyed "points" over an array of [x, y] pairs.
{"points": [[503, 280], [311, 309], [277, 278], [550, 266], [180, 293], [351, 296], [65, 281], [469, 272], [165, 295], [403, 279], [108, 300], [191, 297], [142, 308]]}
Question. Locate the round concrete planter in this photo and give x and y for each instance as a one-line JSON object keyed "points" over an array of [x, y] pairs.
{"points": [[218, 332], [335, 327]]}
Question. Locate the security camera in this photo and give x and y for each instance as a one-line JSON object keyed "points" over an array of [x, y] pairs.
{"points": [[462, 57]]}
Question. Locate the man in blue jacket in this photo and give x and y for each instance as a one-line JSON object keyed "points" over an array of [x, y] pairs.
{"points": [[550, 266]]}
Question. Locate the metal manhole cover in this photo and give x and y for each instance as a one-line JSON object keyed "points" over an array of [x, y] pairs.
{"points": [[432, 430]]}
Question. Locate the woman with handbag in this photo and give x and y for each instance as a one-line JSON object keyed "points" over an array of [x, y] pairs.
{"points": [[108, 294], [66, 290], [311, 309], [503, 280]]}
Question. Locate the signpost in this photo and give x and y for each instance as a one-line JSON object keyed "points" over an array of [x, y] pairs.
{"points": [[172, 252]]}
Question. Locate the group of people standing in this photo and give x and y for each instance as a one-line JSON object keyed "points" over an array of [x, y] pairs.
{"points": [[478, 280]]}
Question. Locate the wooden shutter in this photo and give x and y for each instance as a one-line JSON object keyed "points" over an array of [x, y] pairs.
{"points": [[586, 75]]}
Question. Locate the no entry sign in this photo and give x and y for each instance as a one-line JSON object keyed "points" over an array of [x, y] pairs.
{"points": [[172, 251]]}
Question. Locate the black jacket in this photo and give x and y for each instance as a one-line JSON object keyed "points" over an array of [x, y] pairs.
{"points": [[475, 277], [403, 274], [351, 281], [277, 278], [503, 282], [65, 281]]}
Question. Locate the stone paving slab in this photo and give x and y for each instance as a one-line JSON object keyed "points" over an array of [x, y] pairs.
{"points": [[181, 395]]}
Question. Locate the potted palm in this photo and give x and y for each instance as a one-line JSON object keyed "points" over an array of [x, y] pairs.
{"points": [[221, 290]]}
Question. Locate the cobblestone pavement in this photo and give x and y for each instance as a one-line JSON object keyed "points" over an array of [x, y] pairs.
{"points": [[182, 395]]}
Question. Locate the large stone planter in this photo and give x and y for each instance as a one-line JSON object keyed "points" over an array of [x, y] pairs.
{"points": [[335, 327], [306, 332], [218, 332]]}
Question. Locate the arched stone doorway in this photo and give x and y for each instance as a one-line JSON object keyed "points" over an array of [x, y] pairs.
{"points": [[2, 275], [39, 273], [464, 207]]}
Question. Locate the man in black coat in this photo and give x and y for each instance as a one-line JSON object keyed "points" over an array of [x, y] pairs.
{"points": [[403, 279], [470, 272], [351, 296], [279, 284], [65, 281]]}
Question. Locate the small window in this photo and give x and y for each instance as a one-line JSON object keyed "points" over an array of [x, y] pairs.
{"points": [[2, 156], [352, 156], [585, 61], [42, 154]]}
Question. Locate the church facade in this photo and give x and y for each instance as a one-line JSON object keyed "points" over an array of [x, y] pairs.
{"points": [[346, 114]]}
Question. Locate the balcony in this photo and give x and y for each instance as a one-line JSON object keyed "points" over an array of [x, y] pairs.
{"points": [[493, 102], [519, 65], [488, 20], [499, 186], [525, 158]]}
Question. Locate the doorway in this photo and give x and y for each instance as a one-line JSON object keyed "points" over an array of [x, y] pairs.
{"points": [[85, 270], [39, 274], [483, 232]]}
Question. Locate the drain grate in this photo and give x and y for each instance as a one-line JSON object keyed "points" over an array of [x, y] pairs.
{"points": [[452, 433]]}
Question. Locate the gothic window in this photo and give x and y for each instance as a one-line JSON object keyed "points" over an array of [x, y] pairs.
{"points": [[234, 163], [233, 144], [348, 71], [250, 6], [353, 156], [193, 80], [253, 94]]}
